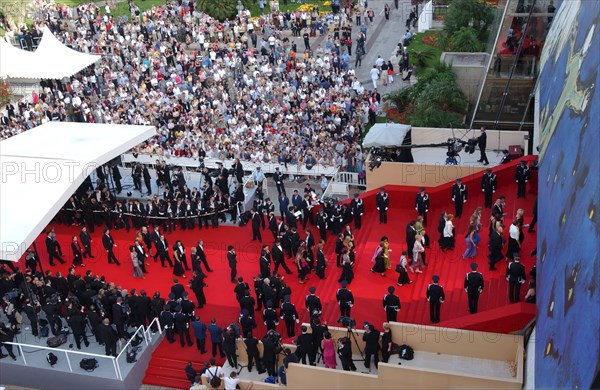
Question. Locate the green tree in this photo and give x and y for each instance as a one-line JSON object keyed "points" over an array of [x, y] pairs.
{"points": [[221, 9], [468, 13], [434, 101], [465, 40]]}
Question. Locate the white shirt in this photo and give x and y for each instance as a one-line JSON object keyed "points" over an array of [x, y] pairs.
{"points": [[448, 229], [514, 232], [231, 383], [213, 371]]}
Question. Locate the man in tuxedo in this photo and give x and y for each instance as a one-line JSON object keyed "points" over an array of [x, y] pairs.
{"points": [[109, 337], [422, 205], [53, 248], [473, 286], [109, 245], [482, 143], [238, 170], [141, 255], [411, 234], [162, 249], [515, 275], [488, 187], [284, 203], [357, 207], [279, 257], [232, 260], [382, 202], [155, 238], [278, 177], [265, 262], [255, 226], [202, 255], [459, 196]]}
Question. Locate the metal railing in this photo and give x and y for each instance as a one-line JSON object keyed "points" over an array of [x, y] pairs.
{"points": [[350, 178], [145, 332], [20, 346], [248, 166]]}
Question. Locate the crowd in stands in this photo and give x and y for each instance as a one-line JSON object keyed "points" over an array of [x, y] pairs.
{"points": [[239, 88]]}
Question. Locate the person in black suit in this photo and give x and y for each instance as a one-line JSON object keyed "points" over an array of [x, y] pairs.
{"points": [[182, 326], [119, 317], [77, 324], [253, 353], [495, 246], [482, 143], [109, 337], [357, 207], [473, 286], [534, 220], [116, 175], [86, 241], [306, 346], [202, 255], [371, 339], [141, 255], [391, 305], [162, 249], [155, 238], [521, 177], [422, 205], [278, 178], [382, 202], [168, 323], [411, 234], [53, 248], [255, 225], [147, 180], [265, 262], [435, 296], [345, 299], [515, 275], [77, 252], [238, 170], [459, 196], [232, 261], [279, 257], [109, 245], [321, 261], [488, 187]]}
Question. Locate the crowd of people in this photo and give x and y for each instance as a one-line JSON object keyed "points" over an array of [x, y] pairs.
{"points": [[239, 88]]}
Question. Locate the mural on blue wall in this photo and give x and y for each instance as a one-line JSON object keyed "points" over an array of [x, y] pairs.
{"points": [[568, 293]]}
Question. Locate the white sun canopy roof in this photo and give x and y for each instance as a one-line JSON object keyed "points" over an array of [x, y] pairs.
{"points": [[386, 135], [51, 60], [41, 168]]}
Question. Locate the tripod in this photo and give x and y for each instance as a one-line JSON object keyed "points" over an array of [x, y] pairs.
{"points": [[352, 336]]}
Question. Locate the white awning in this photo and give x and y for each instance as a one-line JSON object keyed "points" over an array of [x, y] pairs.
{"points": [[51, 60], [386, 135], [42, 167]]}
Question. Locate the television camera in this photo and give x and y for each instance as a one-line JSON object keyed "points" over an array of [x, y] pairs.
{"points": [[348, 322]]}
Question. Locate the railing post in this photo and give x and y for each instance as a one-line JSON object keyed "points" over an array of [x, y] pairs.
{"points": [[22, 354], [68, 360], [117, 369]]}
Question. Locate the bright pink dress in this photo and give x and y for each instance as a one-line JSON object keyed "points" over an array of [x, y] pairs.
{"points": [[329, 353]]}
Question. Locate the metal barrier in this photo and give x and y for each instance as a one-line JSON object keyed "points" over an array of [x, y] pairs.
{"points": [[142, 330], [139, 330], [350, 178], [67, 353], [248, 166]]}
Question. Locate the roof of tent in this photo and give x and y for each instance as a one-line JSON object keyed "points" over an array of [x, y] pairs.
{"points": [[51, 60], [44, 166], [385, 135]]}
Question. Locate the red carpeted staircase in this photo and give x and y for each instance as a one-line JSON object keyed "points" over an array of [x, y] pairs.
{"points": [[168, 361]]}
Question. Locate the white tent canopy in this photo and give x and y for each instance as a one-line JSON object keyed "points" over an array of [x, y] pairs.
{"points": [[41, 168], [386, 135], [52, 60]]}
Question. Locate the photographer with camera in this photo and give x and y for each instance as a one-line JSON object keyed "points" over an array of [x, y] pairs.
{"points": [[345, 354], [371, 339], [271, 341]]}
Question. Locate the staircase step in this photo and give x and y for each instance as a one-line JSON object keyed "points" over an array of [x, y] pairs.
{"points": [[159, 380]]}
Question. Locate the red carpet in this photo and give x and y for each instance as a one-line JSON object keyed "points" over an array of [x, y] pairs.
{"points": [[166, 367]]}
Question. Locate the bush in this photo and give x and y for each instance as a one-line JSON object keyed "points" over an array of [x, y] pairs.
{"points": [[465, 40], [434, 101], [468, 13]]}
